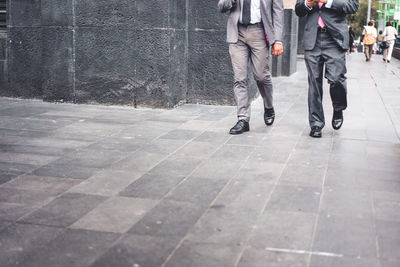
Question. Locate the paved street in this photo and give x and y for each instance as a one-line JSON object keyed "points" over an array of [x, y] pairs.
{"points": [[86, 185]]}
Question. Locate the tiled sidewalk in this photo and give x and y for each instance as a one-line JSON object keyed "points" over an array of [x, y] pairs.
{"points": [[85, 185]]}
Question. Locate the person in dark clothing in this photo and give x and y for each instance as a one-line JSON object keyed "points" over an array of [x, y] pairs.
{"points": [[351, 38]]}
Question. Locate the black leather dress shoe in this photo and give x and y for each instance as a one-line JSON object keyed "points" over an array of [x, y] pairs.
{"points": [[337, 119], [240, 127], [269, 116], [316, 132]]}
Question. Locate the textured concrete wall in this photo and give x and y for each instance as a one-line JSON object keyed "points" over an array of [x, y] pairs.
{"points": [[131, 52], [3, 59]]}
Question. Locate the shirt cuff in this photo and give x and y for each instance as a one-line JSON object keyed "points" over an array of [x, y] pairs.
{"points": [[305, 3], [329, 4]]}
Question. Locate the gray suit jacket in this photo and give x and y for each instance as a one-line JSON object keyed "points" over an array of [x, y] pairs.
{"points": [[271, 15], [334, 19]]}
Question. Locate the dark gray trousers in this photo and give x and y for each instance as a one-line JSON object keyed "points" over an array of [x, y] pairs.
{"points": [[325, 53]]}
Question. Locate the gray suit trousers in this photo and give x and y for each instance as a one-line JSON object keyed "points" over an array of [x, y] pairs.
{"points": [[251, 46], [326, 52]]}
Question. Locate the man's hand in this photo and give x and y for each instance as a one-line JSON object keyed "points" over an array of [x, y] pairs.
{"points": [[277, 49], [311, 3]]}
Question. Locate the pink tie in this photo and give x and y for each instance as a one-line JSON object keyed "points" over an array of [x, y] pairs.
{"points": [[320, 21]]}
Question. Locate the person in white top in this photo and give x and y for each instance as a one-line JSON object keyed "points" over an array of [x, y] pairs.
{"points": [[389, 35], [370, 35]]}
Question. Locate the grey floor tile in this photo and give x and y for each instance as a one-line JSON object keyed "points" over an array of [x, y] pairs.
{"points": [[16, 167], [106, 183], [204, 254], [254, 257], [90, 158], [140, 161], [348, 203], [118, 144], [71, 248], [65, 171], [345, 236], [387, 206], [197, 191], [213, 137], [23, 196], [196, 149], [163, 219], [6, 176], [181, 134], [217, 168], [327, 261], [90, 128], [40, 150], [117, 215], [232, 216], [285, 230], [306, 175], [233, 152], [176, 166], [17, 240], [250, 139], [163, 146], [64, 210], [388, 240], [52, 186], [13, 211], [295, 198], [138, 250], [31, 159], [153, 186]]}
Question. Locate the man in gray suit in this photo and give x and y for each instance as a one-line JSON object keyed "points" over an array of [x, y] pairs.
{"points": [[326, 40], [253, 25]]}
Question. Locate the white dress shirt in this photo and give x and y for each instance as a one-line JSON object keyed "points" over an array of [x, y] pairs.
{"points": [[255, 12]]}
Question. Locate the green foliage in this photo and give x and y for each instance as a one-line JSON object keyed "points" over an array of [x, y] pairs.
{"points": [[359, 19]]}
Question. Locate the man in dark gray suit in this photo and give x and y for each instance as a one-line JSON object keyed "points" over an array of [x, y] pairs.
{"points": [[326, 40], [253, 25]]}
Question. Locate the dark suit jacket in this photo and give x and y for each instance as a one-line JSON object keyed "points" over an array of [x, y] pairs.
{"points": [[334, 19]]}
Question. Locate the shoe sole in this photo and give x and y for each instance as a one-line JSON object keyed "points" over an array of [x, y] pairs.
{"points": [[239, 132]]}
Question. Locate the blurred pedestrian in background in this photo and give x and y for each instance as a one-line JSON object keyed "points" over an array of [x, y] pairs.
{"points": [[369, 40], [389, 35], [379, 42], [351, 38]]}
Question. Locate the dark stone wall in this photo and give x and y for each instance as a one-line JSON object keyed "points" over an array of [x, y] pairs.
{"points": [[128, 52], [3, 59]]}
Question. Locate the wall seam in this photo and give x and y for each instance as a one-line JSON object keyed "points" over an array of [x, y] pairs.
{"points": [[73, 52], [187, 49]]}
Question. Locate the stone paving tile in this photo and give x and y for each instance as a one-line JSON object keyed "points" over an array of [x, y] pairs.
{"points": [[203, 254], [181, 134], [345, 236], [138, 250], [31, 124], [117, 144], [90, 158], [298, 174], [295, 198], [21, 158], [65, 171], [212, 137], [23, 133], [106, 183], [317, 261], [6, 176], [200, 192], [13, 211], [144, 187], [39, 150], [56, 142], [232, 216], [387, 206], [283, 230], [254, 257], [233, 152], [164, 218], [90, 128], [176, 165], [348, 203], [195, 149], [140, 161], [388, 235], [17, 240], [117, 215], [22, 196], [50, 185], [71, 248], [217, 169], [163, 146], [64, 210], [16, 167]]}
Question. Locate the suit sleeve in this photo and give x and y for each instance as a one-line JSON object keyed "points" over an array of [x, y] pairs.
{"points": [[345, 6], [226, 5], [278, 16], [301, 9]]}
